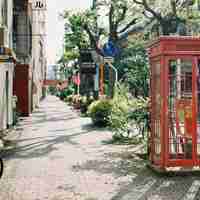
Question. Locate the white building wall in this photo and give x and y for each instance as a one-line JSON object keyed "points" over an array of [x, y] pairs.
{"points": [[2, 98], [6, 110], [10, 23], [6, 105], [10, 67]]}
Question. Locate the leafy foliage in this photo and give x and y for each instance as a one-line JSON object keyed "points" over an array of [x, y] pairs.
{"points": [[170, 16], [85, 103], [82, 30], [123, 18], [128, 115], [66, 92], [52, 90], [140, 115], [69, 99], [75, 36], [100, 111], [133, 68], [119, 117], [76, 101]]}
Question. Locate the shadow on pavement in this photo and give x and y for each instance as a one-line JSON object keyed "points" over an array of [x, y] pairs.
{"points": [[127, 164], [38, 146]]}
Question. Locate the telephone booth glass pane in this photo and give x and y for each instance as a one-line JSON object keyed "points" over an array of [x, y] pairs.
{"points": [[156, 109], [180, 109]]}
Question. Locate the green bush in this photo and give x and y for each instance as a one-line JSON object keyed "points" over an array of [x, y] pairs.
{"points": [[85, 102], [76, 101], [119, 118], [69, 98], [140, 115], [128, 115], [66, 92], [100, 112], [52, 90]]}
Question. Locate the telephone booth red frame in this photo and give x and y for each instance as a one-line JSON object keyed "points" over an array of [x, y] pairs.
{"points": [[174, 140]]}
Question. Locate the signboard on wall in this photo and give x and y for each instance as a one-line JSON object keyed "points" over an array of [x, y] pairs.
{"points": [[88, 68], [39, 5]]}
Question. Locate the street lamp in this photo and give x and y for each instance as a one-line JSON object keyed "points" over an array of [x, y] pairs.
{"points": [[109, 61]]}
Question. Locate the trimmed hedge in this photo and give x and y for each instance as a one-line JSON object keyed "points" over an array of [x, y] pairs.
{"points": [[100, 112]]}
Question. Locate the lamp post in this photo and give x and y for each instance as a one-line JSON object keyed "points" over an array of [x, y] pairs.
{"points": [[116, 72], [109, 61]]}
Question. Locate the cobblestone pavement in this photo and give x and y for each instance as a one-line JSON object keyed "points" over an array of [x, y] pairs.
{"points": [[59, 156]]}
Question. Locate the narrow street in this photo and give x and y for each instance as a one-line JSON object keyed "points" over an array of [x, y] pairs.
{"points": [[60, 156]]}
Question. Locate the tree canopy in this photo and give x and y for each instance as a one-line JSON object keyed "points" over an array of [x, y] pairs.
{"points": [[116, 20], [171, 16], [124, 17], [82, 27]]}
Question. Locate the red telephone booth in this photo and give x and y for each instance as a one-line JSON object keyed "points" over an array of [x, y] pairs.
{"points": [[175, 102]]}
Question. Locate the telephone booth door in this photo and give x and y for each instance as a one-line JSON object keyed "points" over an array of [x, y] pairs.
{"points": [[156, 113], [181, 106], [198, 111]]}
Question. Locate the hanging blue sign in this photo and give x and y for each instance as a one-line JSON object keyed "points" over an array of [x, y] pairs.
{"points": [[110, 49]]}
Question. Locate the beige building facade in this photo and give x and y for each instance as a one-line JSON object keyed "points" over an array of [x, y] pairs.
{"points": [[31, 53], [39, 48]]}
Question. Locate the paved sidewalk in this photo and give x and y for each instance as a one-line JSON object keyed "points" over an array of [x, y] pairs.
{"points": [[60, 156]]}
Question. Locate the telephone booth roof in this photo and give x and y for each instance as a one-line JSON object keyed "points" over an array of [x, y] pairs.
{"points": [[174, 45]]}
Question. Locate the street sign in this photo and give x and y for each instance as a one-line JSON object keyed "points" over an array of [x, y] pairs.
{"points": [[110, 49], [108, 60]]}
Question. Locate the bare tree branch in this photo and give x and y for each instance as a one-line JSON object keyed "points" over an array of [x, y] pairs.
{"points": [[93, 39], [122, 16], [90, 34], [128, 25], [147, 16], [111, 12], [173, 6], [136, 29], [177, 1], [139, 2], [149, 9]]}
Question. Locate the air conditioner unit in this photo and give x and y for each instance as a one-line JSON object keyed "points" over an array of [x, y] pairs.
{"points": [[4, 37]]}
